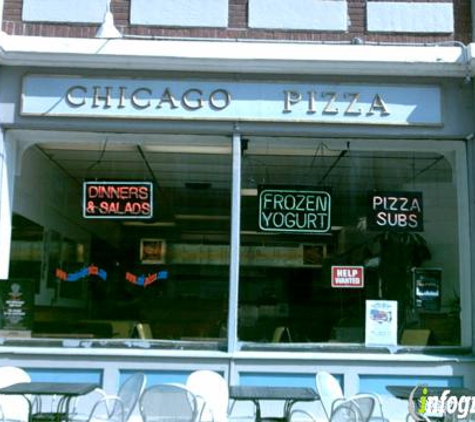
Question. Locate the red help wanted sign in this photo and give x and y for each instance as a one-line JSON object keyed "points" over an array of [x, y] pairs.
{"points": [[347, 276]]}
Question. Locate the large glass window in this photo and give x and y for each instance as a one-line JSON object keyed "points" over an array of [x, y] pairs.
{"points": [[164, 277], [394, 212], [394, 219]]}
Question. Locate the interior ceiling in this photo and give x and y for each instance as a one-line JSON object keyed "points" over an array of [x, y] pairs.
{"points": [[193, 173]]}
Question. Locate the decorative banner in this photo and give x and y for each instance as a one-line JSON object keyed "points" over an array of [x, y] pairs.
{"points": [[82, 273], [301, 210], [396, 211], [124, 200], [347, 277], [146, 280]]}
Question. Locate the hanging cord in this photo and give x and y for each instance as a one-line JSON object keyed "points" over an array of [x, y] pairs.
{"points": [[149, 167], [101, 156], [423, 170], [248, 165], [319, 152], [250, 162], [334, 164], [319, 148]]}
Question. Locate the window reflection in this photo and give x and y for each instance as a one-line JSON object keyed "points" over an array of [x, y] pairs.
{"points": [[101, 279], [286, 277]]}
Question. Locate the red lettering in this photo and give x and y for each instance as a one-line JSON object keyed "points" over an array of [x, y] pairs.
{"points": [[104, 207], [143, 192], [146, 209], [92, 191], [133, 192], [114, 207]]}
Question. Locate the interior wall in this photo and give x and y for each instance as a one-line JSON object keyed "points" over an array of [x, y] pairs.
{"points": [[440, 233], [6, 187], [44, 194]]}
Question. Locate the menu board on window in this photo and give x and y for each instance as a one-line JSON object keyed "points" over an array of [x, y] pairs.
{"points": [[16, 302]]}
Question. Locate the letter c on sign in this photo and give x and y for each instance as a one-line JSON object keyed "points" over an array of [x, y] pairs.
{"points": [[134, 98], [70, 97]]}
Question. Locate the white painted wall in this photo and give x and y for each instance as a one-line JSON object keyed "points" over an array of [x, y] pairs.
{"points": [[315, 15], [88, 11], [186, 13], [45, 195], [410, 17]]}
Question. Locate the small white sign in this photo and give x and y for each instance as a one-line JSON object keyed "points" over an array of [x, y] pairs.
{"points": [[381, 323]]}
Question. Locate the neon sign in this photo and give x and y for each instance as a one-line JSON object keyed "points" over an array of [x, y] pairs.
{"points": [[301, 210], [118, 200]]}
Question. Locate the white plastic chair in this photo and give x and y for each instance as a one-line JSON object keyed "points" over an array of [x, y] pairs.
{"points": [[168, 402], [343, 411], [128, 394], [212, 392], [12, 407], [347, 411], [107, 409], [331, 394], [420, 417], [329, 390]]}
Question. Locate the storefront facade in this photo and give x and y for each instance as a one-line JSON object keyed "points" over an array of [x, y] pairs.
{"points": [[182, 211]]}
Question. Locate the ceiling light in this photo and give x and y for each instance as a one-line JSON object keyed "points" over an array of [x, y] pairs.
{"points": [[201, 217], [249, 192], [198, 185], [188, 149], [155, 224]]}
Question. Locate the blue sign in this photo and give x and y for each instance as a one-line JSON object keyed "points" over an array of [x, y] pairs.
{"points": [[224, 100]]}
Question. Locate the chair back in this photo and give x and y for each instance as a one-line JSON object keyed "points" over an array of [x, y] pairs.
{"points": [[212, 390], [13, 406], [108, 408], [366, 405], [281, 334], [130, 392], [346, 411], [168, 402], [329, 390], [10, 375]]}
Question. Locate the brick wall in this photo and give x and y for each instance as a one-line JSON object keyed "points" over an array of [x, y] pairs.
{"points": [[238, 26]]}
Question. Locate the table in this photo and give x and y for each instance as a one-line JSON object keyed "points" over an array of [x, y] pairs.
{"points": [[65, 390], [255, 393]]}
